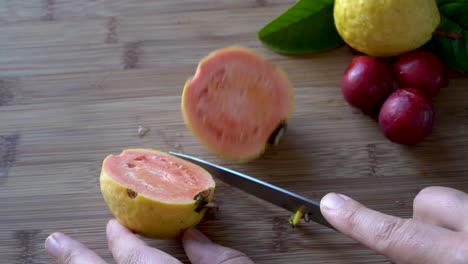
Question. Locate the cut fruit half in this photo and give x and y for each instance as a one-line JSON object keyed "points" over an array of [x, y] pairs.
{"points": [[237, 103], [154, 193]]}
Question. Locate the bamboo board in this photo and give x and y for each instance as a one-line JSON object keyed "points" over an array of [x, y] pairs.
{"points": [[78, 78]]}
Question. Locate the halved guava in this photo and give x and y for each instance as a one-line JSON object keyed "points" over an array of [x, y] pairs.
{"points": [[237, 103], [154, 193]]}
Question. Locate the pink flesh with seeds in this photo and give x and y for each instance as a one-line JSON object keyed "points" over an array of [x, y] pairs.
{"points": [[238, 100], [157, 175]]}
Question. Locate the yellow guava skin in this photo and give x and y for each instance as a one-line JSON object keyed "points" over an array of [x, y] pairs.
{"points": [[385, 28]]}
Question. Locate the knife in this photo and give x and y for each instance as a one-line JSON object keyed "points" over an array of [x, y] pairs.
{"points": [[295, 203]]}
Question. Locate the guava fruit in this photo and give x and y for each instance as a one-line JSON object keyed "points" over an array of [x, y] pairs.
{"points": [[153, 193], [366, 83], [421, 70], [407, 117], [237, 103], [384, 28]]}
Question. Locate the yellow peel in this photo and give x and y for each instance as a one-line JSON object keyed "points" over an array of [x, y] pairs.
{"points": [[296, 218], [383, 28]]}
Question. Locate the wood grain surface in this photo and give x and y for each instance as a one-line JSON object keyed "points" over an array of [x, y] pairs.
{"points": [[78, 78]]}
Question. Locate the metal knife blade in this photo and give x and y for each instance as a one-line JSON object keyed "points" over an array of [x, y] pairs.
{"points": [[263, 190]]}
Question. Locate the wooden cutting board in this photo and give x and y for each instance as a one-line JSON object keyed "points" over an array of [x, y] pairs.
{"points": [[78, 79]]}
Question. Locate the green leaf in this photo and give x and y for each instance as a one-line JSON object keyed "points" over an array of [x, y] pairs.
{"points": [[454, 19], [457, 12], [440, 3], [306, 27]]}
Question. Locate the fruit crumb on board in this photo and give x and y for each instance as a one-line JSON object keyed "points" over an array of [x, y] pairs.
{"points": [[142, 130]]}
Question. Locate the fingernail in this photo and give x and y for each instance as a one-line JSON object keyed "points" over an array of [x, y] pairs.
{"points": [[194, 234], [332, 201], [52, 245]]}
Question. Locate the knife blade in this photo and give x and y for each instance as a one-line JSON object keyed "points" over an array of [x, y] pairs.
{"points": [[263, 190]]}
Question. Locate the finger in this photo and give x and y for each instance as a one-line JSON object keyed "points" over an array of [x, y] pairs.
{"points": [[442, 206], [401, 240], [127, 248], [201, 250], [68, 251]]}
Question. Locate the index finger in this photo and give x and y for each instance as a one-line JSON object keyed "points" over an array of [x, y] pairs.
{"points": [[127, 248], [400, 240]]}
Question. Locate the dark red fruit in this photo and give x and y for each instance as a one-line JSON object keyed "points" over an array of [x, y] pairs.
{"points": [[421, 70], [407, 117], [366, 83]]}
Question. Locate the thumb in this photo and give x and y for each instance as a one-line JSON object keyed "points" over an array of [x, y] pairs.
{"points": [[200, 250], [400, 240]]}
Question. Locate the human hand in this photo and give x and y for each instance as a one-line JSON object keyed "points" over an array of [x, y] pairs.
{"points": [[128, 248], [437, 233]]}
